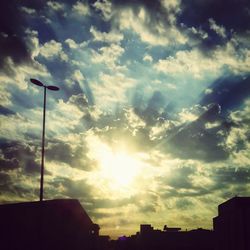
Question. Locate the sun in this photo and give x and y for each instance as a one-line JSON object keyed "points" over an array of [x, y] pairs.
{"points": [[118, 170], [119, 167]]}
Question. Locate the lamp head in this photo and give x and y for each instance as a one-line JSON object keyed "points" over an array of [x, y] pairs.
{"points": [[54, 88], [36, 82]]}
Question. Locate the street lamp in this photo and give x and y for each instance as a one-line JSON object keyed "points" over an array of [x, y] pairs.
{"points": [[53, 88]]}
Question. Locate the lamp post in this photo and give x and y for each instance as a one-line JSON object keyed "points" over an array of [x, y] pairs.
{"points": [[45, 87]]}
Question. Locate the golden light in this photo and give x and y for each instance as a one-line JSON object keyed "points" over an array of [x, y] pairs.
{"points": [[117, 169]]}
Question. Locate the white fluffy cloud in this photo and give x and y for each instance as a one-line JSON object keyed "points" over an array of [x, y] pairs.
{"points": [[147, 58], [154, 35], [188, 62], [81, 9], [108, 55], [150, 31], [111, 37], [112, 89], [53, 49], [73, 45], [21, 73], [105, 7], [76, 76], [55, 5], [195, 63]]}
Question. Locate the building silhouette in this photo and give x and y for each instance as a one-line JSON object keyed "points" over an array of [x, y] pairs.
{"points": [[232, 225], [64, 225], [44, 225], [169, 239]]}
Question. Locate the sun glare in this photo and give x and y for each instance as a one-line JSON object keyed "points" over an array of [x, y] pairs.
{"points": [[119, 167]]}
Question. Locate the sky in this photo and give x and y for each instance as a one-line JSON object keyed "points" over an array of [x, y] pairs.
{"points": [[151, 123]]}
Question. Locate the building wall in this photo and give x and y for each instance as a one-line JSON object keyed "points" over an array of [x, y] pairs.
{"points": [[232, 225]]}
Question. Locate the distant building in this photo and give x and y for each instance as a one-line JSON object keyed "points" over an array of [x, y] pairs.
{"points": [[146, 229], [52, 224], [232, 225], [171, 239], [171, 229]]}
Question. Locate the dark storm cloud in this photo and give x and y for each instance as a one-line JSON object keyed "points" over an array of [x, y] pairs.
{"points": [[118, 128], [227, 181], [59, 152], [233, 15], [9, 164], [81, 190], [195, 141], [181, 178], [12, 26], [225, 177], [76, 157], [73, 188], [6, 111], [19, 155], [155, 107], [229, 92]]}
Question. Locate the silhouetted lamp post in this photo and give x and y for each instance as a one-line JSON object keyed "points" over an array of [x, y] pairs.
{"points": [[53, 88]]}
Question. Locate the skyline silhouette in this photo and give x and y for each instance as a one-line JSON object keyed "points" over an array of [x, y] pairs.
{"points": [[64, 224]]}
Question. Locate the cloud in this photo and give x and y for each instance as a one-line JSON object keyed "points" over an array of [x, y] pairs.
{"points": [[19, 155], [190, 114], [75, 157], [212, 9], [108, 55], [27, 10], [74, 45], [111, 89], [76, 76], [17, 75], [71, 43], [111, 37], [11, 41], [220, 30], [237, 141], [184, 204], [65, 117], [149, 30], [198, 65], [196, 141], [14, 71], [188, 62], [229, 92], [6, 111], [81, 9], [53, 49], [55, 6], [147, 58], [139, 16], [105, 7]]}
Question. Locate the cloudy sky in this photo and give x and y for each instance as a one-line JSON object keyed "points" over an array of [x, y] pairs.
{"points": [[151, 123]]}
